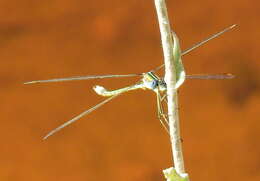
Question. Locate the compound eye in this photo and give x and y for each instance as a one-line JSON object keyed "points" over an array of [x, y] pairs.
{"points": [[154, 84]]}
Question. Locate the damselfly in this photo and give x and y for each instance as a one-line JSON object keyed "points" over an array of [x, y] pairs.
{"points": [[148, 81]]}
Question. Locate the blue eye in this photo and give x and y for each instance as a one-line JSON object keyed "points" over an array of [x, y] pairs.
{"points": [[154, 84]]}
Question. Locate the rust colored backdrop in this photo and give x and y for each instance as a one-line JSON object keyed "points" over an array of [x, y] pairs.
{"points": [[123, 140]]}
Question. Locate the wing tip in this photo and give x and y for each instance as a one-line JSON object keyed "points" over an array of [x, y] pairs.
{"points": [[44, 138], [31, 82], [47, 136], [230, 76], [233, 26]]}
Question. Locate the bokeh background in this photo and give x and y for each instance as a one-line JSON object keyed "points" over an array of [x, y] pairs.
{"points": [[123, 140]]}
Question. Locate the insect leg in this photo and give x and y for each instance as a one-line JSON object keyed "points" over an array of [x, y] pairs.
{"points": [[164, 98], [160, 113]]}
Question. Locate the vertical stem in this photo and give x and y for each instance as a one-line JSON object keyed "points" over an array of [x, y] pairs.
{"points": [[170, 78]]}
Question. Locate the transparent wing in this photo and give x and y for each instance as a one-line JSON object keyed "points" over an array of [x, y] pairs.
{"points": [[82, 78], [80, 116], [199, 44], [208, 39], [217, 76]]}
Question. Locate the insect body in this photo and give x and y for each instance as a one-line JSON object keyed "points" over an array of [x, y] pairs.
{"points": [[148, 81]]}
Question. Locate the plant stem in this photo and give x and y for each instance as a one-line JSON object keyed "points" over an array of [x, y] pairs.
{"points": [[170, 78]]}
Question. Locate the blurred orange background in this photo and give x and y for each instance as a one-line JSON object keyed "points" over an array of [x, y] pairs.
{"points": [[124, 140]]}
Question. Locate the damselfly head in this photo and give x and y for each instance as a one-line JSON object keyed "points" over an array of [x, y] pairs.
{"points": [[153, 82]]}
